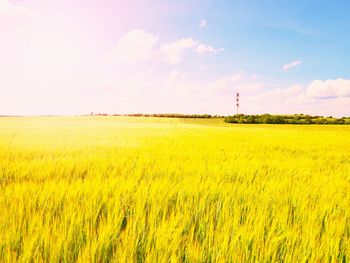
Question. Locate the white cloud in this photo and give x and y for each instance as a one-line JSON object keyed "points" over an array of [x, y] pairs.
{"points": [[227, 83], [328, 97], [283, 95], [15, 21], [329, 88], [139, 45], [173, 76], [136, 45], [288, 100], [204, 50], [8, 10], [173, 52], [199, 96], [291, 65], [226, 86], [202, 24]]}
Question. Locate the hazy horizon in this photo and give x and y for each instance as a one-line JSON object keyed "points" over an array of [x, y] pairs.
{"points": [[189, 57]]}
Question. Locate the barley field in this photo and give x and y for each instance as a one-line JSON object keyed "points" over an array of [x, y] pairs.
{"points": [[123, 189]]}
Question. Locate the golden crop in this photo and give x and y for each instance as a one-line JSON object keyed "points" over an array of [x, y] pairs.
{"points": [[100, 189]]}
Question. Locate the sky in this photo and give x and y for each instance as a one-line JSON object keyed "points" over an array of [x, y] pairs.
{"points": [[174, 56]]}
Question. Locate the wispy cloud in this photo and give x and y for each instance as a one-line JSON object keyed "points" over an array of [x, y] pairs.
{"points": [[291, 65], [204, 50], [136, 45], [202, 24], [173, 52]]}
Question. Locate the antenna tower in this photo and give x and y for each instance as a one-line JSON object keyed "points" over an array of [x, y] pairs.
{"points": [[237, 102]]}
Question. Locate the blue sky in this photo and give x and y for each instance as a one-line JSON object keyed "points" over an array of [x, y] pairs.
{"points": [[260, 36], [119, 56]]}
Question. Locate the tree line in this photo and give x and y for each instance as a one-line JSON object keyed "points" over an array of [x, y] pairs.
{"points": [[171, 115], [162, 115], [286, 119]]}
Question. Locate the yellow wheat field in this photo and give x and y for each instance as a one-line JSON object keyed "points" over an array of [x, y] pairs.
{"points": [[118, 189]]}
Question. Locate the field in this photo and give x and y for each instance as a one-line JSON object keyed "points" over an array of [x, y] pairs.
{"points": [[124, 189]]}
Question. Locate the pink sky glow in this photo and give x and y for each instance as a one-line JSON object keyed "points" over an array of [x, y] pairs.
{"points": [[77, 57]]}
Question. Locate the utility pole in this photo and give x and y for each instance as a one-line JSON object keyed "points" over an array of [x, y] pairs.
{"points": [[237, 102]]}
